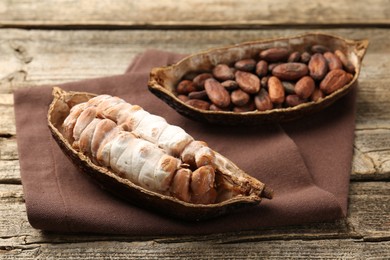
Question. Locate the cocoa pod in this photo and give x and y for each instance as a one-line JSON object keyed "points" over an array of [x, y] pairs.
{"points": [[245, 65], [294, 100], [318, 66], [176, 189], [217, 93], [263, 101], [248, 82], [261, 68], [305, 87], [197, 103], [222, 72], [348, 66], [274, 54], [185, 86], [290, 71], [275, 90], [333, 61], [239, 97], [200, 79], [334, 80]]}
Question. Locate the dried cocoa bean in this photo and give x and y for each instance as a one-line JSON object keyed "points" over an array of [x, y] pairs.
{"points": [[217, 93], [261, 68], [305, 57], [239, 97], [317, 94], [274, 54], [222, 72], [289, 87], [318, 48], [294, 57], [271, 66], [294, 100], [197, 103], [263, 101], [248, 82], [245, 65], [318, 66], [190, 75], [333, 61], [200, 79], [198, 95], [213, 107], [334, 80], [264, 82], [250, 106], [183, 98], [275, 90], [290, 71], [305, 87], [348, 66], [230, 85], [185, 86]]}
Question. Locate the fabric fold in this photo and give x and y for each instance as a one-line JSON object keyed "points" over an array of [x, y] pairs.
{"points": [[307, 162]]}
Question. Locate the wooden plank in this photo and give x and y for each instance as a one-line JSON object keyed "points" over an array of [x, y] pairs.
{"points": [[8, 149], [368, 219], [322, 249], [192, 14], [10, 172], [7, 122]]}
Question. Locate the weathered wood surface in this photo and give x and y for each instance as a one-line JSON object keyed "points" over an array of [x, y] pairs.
{"points": [[192, 13], [36, 57], [367, 222]]}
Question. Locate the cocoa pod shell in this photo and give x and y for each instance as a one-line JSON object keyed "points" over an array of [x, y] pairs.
{"points": [[164, 79], [137, 195]]}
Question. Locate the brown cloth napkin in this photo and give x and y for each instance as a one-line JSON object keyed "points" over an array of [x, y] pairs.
{"points": [[306, 162]]}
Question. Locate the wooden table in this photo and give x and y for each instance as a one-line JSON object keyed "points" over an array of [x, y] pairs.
{"points": [[42, 42]]}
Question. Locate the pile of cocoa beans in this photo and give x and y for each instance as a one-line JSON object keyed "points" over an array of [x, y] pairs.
{"points": [[276, 78]]}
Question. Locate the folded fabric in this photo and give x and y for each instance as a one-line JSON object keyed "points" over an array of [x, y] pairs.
{"points": [[307, 162]]}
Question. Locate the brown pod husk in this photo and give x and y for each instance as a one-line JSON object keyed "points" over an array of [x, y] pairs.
{"points": [[125, 189], [163, 80]]}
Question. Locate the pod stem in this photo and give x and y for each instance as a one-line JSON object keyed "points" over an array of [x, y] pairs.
{"points": [[267, 193]]}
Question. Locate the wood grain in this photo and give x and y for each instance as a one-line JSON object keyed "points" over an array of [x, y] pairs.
{"points": [[322, 249], [191, 14]]}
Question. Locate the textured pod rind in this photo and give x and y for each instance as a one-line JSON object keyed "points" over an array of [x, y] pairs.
{"points": [[163, 80], [133, 193]]}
